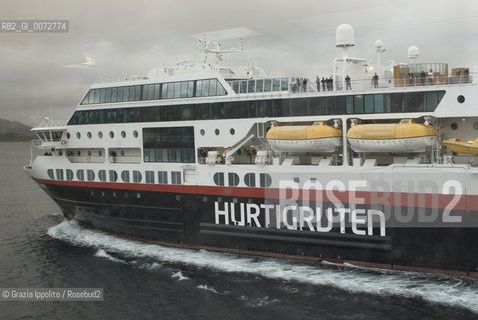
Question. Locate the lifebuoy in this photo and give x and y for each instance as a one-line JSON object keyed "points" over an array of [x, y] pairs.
{"points": [[63, 141]]}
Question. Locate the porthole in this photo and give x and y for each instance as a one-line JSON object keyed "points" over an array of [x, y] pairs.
{"points": [[68, 135], [88, 135], [454, 126], [100, 153], [78, 153], [122, 153], [112, 135], [216, 132], [78, 135], [123, 134], [100, 134], [232, 131], [135, 133], [202, 132], [89, 153], [460, 99]]}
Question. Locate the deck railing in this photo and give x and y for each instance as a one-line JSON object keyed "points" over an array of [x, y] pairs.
{"points": [[298, 85]]}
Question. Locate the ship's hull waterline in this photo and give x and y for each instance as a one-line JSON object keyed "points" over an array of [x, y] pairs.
{"points": [[184, 219]]}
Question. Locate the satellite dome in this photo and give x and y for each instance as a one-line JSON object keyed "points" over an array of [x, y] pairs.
{"points": [[413, 52], [378, 44], [344, 36]]}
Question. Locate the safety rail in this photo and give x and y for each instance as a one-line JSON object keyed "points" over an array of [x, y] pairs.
{"points": [[48, 123], [298, 85]]}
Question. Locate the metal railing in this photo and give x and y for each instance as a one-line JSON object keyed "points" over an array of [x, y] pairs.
{"points": [[48, 123]]}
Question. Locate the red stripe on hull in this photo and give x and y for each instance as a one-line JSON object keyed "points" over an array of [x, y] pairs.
{"points": [[425, 200]]}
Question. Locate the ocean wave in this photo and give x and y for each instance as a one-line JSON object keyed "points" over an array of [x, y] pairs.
{"points": [[446, 290]]}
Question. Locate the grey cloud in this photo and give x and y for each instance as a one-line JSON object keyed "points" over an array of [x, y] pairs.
{"points": [[131, 37]]}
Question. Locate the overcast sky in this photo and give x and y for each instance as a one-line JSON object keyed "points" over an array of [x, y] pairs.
{"points": [[290, 37]]}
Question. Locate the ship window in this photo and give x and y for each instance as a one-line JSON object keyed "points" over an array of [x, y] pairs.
{"points": [[88, 135], [68, 135], [97, 96], [112, 135], [137, 177], [358, 104], [162, 177], [89, 153], [123, 134], [235, 86], [175, 177], [149, 176], [281, 108], [317, 106], [454, 126], [80, 175], [415, 102], [284, 84], [90, 174], [125, 176], [298, 107], [250, 179], [276, 84], [243, 86], [119, 94], [78, 153], [232, 131], [114, 94], [102, 95], [177, 90], [108, 95], [113, 176], [100, 134], [78, 135], [125, 91], [460, 99], [102, 175], [368, 101], [267, 85], [69, 174], [100, 153], [202, 132], [135, 133], [251, 87], [260, 85], [213, 87], [475, 125], [217, 132], [378, 102], [217, 111], [50, 174], [233, 179], [219, 178], [265, 180], [175, 144], [397, 102]]}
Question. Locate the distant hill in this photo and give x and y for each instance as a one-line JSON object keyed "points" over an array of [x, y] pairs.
{"points": [[14, 131]]}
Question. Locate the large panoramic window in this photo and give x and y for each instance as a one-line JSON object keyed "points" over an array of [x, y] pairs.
{"points": [[155, 91], [304, 106], [171, 144]]}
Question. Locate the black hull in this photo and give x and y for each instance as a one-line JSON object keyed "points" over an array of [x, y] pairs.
{"points": [[187, 220]]}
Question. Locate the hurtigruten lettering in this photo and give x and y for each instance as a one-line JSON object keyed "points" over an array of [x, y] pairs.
{"points": [[293, 217]]}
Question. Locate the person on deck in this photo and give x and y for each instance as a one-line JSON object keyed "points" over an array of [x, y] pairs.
{"points": [[375, 80], [347, 82]]}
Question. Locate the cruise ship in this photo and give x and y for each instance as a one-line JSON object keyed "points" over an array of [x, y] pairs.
{"points": [[376, 171]]}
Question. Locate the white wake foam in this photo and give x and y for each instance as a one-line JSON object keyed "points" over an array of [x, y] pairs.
{"points": [[179, 276], [103, 254], [204, 287], [444, 290]]}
